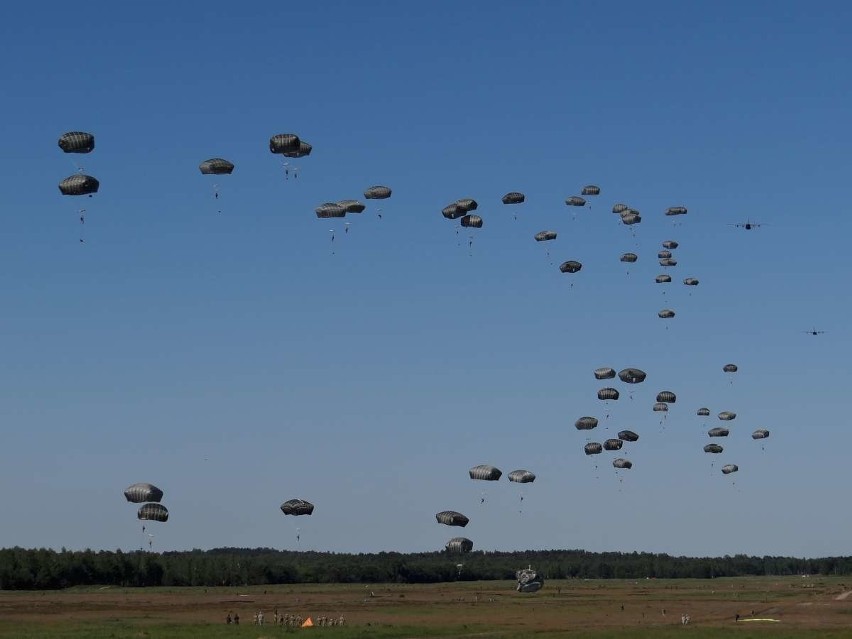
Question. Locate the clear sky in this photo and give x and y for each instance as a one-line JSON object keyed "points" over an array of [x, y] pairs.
{"points": [[239, 359]]}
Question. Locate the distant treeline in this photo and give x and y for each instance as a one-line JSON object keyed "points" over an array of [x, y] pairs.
{"points": [[26, 569]]}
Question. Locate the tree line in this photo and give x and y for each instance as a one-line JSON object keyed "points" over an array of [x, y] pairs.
{"points": [[45, 569]]}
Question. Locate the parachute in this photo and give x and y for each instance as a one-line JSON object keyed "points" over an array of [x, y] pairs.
{"points": [[142, 492], [666, 313], [522, 476], [472, 221], [529, 580], [459, 545], [586, 423], [632, 375], [514, 197], [452, 212], [216, 166], [608, 393], [544, 236], [663, 279], [703, 412], [304, 150], [668, 261], [719, 431], [664, 255], [591, 189], [629, 258], [79, 184], [604, 373], [77, 142], [727, 415], [730, 368], [661, 407], [729, 468], [485, 472], [284, 143], [630, 219], [297, 507], [613, 444], [351, 206], [620, 208], [670, 244], [628, 436], [622, 463], [377, 193], [570, 266], [690, 281], [467, 204], [330, 209], [713, 448], [575, 200], [666, 397], [760, 433], [451, 518], [676, 210], [153, 512], [593, 448]]}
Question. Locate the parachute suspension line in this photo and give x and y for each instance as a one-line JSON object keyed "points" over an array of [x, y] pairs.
{"points": [[379, 213], [332, 240], [82, 214]]}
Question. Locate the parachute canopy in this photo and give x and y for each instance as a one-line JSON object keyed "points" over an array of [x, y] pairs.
{"points": [[297, 507], [467, 204], [619, 208], [593, 448], [622, 463], [284, 143], [661, 407], [713, 448], [153, 512], [303, 151], [216, 166], [690, 281], [79, 184], [522, 476], [629, 257], [604, 373], [77, 142], [529, 580], [544, 236], [586, 423], [628, 436], [727, 415], [377, 193], [730, 368], [142, 492], [663, 279], [608, 393], [452, 518], [459, 545], [664, 255], [471, 221], [670, 244], [719, 431], [667, 397], [570, 266], [676, 210], [485, 472], [760, 433], [632, 375], [351, 206], [631, 218], [666, 313], [575, 200], [703, 412], [330, 209], [591, 189], [452, 212], [514, 197], [727, 469], [613, 444]]}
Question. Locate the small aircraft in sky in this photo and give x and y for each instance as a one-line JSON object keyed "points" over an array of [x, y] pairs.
{"points": [[814, 331], [747, 225]]}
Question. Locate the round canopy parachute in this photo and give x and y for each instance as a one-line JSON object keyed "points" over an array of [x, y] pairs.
{"points": [[514, 197], [622, 463], [330, 209], [668, 261], [620, 208], [216, 166], [544, 236], [284, 143], [667, 397], [593, 448], [153, 512], [629, 257], [304, 150], [467, 204], [613, 444], [628, 436], [630, 219], [760, 433], [452, 212], [664, 255], [591, 189], [666, 313], [632, 375], [661, 407], [529, 580], [730, 368], [604, 373], [570, 266], [719, 431], [485, 472], [79, 184], [459, 545], [676, 210], [77, 142], [608, 393], [297, 507], [727, 415], [142, 492], [351, 206], [452, 518], [663, 279], [713, 448], [377, 193], [690, 281], [670, 244], [575, 200], [586, 423], [472, 221], [703, 412], [729, 468], [522, 476]]}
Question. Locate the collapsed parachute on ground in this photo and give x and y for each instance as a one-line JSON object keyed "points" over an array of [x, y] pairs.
{"points": [[79, 184], [727, 415], [591, 189], [571, 266], [377, 193], [216, 166], [622, 463], [760, 433], [613, 444], [529, 580], [522, 476], [604, 373], [666, 397], [330, 209], [452, 518], [77, 142], [703, 412], [628, 436], [593, 448], [632, 376], [729, 468], [153, 512], [713, 448], [485, 472], [471, 221], [607, 394], [513, 197], [545, 236], [142, 492], [297, 507], [459, 545], [284, 143], [586, 423], [719, 431]]}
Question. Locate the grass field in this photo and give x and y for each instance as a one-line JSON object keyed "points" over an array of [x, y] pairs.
{"points": [[802, 607]]}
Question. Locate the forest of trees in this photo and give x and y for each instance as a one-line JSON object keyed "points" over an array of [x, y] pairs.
{"points": [[42, 569]]}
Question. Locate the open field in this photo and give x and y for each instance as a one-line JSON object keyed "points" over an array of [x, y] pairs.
{"points": [[802, 606]]}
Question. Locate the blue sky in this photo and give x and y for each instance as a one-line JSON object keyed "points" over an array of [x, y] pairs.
{"points": [[239, 359]]}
